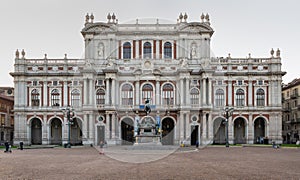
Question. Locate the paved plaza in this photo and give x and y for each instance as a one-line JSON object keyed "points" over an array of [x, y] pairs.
{"points": [[183, 163]]}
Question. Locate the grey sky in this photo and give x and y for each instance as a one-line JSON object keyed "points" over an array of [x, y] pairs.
{"points": [[241, 27]]}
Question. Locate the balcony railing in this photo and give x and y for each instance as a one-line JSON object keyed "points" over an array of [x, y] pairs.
{"points": [[295, 121], [294, 95]]}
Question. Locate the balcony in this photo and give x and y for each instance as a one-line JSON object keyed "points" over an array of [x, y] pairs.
{"points": [[286, 109], [294, 95], [295, 121]]}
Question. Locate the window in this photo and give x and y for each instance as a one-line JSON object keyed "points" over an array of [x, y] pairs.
{"points": [[147, 50], [55, 101], [260, 82], [100, 96], [75, 98], [240, 97], [34, 83], [35, 98], [147, 92], [219, 101], [167, 50], [127, 94], [240, 82], [127, 50], [195, 96], [75, 83], [260, 97], [219, 82], [54, 83], [168, 94]]}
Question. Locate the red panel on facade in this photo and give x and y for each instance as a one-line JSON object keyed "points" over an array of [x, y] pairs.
{"points": [[154, 49], [140, 48], [160, 49], [175, 51], [120, 49]]}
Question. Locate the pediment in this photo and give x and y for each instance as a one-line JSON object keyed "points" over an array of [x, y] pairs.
{"points": [[196, 27], [98, 27]]}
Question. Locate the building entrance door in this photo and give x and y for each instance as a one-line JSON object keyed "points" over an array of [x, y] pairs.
{"points": [[127, 131], [36, 131], [167, 131], [194, 134]]}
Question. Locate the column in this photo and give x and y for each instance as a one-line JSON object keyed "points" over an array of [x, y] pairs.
{"points": [[137, 93], [209, 92], [229, 93], [45, 130], [107, 127], [91, 127], [157, 94], [250, 93], [187, 92], [113, 91], [91, 93], [85, 129], [188, 126], [250, 130], [204, 138], [181, 132], [209, 127], [113, 124], [204, 92], [107, 92], [45, 92], [85, 88], [65, 90], [181, 92]]}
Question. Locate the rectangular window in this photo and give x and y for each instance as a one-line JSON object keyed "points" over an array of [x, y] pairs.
{"points": [[240, 82], [54, 83], [260, 82]]}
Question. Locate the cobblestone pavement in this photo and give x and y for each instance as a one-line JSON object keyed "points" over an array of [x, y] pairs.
{"points": [[188, 163]]}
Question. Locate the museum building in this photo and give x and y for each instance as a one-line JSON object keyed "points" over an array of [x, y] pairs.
{"points": [[169, 64]]}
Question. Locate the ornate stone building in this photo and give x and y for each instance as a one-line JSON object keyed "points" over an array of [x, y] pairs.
{"points": [[168, 63], [6, 114], [291, 112]]}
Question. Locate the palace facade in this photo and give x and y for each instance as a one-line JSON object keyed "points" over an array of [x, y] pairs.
{"points": [[170, 64]]}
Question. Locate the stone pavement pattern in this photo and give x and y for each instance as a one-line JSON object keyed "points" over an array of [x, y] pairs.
{"points": [[206, 163]]}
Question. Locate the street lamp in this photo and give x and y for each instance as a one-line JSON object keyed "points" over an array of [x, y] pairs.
{"points": [[227, 113], [70, 114]]}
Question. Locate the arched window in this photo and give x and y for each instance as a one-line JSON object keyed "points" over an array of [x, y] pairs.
{"points": [[55, 99], [260, 97], [147, 92], [167, 94], [147, 50], [75, 98], [35, 98], [240, 97], [127, 94], [167, 50], [127, 50], [219, 101], [195, 96], [100, 97]]}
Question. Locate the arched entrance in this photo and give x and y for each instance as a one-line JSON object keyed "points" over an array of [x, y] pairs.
{"points": [[36, 131], [127, 131], [259, 130], [168, 131], [56, 131], [76, 132], [219, 131], [239, 131]]}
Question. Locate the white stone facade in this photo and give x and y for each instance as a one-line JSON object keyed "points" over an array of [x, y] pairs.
{"points": [[170, 64]]}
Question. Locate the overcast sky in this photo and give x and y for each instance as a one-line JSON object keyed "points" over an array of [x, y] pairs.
{"points": [[241, 27]]}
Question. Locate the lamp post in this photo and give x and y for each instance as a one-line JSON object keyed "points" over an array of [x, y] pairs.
{"points": [[70, 114], [227, 113]]}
